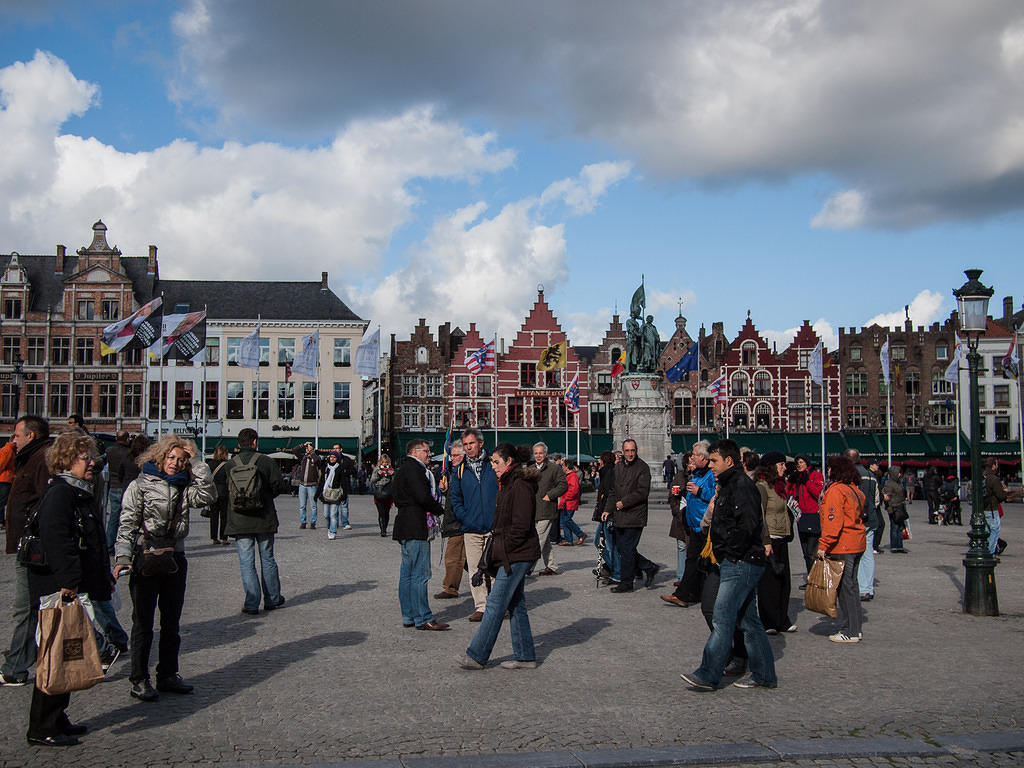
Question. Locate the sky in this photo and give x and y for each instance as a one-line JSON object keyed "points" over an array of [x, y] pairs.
{"points": [[798, 159]]}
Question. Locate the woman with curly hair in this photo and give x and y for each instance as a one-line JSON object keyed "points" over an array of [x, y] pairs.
{"points": [[74, 542], [151, 546]]}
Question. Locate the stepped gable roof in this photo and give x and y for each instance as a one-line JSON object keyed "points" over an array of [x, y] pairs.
{"points": [[542, 319], [749, 333], [806, 338], [271, 300], [47, 285], [467, 342]]}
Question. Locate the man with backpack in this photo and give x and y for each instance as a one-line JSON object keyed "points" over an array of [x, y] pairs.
{"points": [[253, 482]]}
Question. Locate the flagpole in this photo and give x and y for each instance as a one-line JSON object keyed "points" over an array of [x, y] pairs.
{"points": [[380, 406], [823, 465], [160, 394], [578, 418], [957, 396], [697, 391], [259, 356], [319, 394], [888, 400], [494, 391], [202, 399], [565, 422]]}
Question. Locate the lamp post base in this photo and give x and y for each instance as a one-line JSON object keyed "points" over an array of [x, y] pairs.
{"points": [[980, 585]]}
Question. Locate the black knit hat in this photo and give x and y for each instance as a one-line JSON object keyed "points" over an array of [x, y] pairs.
{"points": [[772, 458]]}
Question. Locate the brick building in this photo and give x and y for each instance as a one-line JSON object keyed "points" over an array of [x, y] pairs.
{"points": [[419, 369], [54, 308]]}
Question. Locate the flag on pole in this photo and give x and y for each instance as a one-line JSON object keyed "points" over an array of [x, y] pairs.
{"points": [[1011, 360], [308, 358], [478, 360], [142, 327], [717, 389], [367, 354], [572, 395], [249, 350], [184, 335], [815, 365], [619, 365], [952, 374], [553, 357], [883, 358], [687, 363]]}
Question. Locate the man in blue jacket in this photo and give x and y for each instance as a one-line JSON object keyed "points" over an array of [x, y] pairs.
{"points": [[474, 490], [699, 492]]}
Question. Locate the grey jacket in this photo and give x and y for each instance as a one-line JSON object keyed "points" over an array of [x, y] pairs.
{"points": [[153, 500], [551, 482]]}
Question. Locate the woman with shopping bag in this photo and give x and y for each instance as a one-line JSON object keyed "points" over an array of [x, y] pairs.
{"points": [[151, 545], [843, 539], [73, 544]]}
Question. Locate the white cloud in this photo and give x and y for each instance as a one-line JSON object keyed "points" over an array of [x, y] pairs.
{"points": [[924, 309], [582, 193], [235, 210], [586, 328], [821, 326], [860, 93]]}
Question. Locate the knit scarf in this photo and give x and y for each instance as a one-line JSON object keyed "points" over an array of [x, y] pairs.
{"points": [[76, 482], [179, 480]]}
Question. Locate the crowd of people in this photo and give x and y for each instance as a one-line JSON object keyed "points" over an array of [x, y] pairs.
{"points": [[500, 516]]}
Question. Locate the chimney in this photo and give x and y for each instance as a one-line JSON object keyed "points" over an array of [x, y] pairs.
{"points": [[59, 266], [151, 264], [1007, 307], [323, 282]]}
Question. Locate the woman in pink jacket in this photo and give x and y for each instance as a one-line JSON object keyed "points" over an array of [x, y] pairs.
{"points": [[568, 503]]}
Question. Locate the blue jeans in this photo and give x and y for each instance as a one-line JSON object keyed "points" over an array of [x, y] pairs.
{"points": [[995, 526], [736, 598], [896, 536], [112, 629], [271, 581], [412, 582], [331, 513], [343, 508], [680, 558], [307, 499], [23, 652], [570, 531], [113, 515], [507, 594], [866, 570], [611, 554]]}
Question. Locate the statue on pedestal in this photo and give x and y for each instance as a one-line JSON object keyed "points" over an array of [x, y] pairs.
{"points": [[643, 344]]}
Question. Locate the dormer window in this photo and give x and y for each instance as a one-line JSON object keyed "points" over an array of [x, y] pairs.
{"points": [[12, 309]]}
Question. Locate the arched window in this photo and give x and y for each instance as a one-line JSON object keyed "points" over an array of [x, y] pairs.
{"points": [[763, 416], [681, 408], [762, 383], [739, 384], [748, 353], [422, 357], [939, 384], [740, 415], [616, 354]]}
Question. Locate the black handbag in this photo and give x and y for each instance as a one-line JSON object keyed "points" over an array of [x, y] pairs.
{"points": [[155, 555], [30, 548]]}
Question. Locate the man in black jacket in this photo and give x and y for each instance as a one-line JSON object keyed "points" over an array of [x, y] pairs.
{"points": [[414, 492], [626, 507], [737, 538]]}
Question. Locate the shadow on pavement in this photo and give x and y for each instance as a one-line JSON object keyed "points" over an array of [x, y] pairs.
{"points": [[580, 631], [331, 592], [953, 572], [215, 686]]}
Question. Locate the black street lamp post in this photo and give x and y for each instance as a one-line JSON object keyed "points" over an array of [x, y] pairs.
{"points": [[979, 580], [17, 381]]}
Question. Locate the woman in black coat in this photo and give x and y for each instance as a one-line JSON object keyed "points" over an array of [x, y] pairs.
{"points": [[219, 508], [74, 543]]}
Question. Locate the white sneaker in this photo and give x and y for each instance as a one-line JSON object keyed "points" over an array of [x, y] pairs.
{"points": [[346, 527], [842, 637], [331, 536]]}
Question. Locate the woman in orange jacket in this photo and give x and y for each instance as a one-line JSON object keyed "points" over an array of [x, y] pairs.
{"points": [[842, 538]]}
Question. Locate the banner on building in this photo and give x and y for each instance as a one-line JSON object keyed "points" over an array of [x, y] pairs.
{"points": [[138, 331], [185, 336], [553, 357]]}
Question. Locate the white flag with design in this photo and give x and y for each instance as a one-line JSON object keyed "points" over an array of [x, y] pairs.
{"points": [[953, 369], [814, 365], [306, 361], [883, 358], [249, 350]]}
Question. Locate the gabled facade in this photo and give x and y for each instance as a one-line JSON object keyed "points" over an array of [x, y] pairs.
{"points": [[599, 376], [52, 312], [419, 368], [472, 399]]}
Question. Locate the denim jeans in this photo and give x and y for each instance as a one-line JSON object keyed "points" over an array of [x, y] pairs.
{"points": [[412, 582], [271, 581], [113, 632], [507, 594], [866, 570], [895, 536], [307, 499], [22, 653], [331, 512], [570, 531], [611, 554], [113, 515], [343, 508], [736, 599], [680, 558], [995, 526]]}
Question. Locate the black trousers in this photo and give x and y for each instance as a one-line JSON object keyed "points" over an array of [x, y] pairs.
{"points": [[632, 562], [149, 593], [708, 596], [809, 546], [774, 588], [383, 514], [46, 714], [218, 520], [691, 586]]}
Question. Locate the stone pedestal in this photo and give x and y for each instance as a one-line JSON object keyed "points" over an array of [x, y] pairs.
{"points": [[640, 412]]}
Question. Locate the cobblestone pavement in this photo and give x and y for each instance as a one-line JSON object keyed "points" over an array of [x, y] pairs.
{"points": [[334, 677]]}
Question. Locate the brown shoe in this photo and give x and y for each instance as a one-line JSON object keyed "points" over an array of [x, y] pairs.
{"points": [[676, 583], [477, 616], [302, 526], [433, 626], [564, 544], [548, 572], [673, 600], [581, 539], [312, 526], [444, 594]]}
